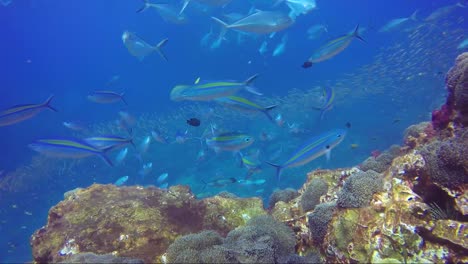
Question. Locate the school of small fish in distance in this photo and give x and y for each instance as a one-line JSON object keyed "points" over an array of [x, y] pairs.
{"points": [[225, 93]]}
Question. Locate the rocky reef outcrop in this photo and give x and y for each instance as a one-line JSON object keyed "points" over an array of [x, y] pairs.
{"points": [[409, 206], [134, 222]]}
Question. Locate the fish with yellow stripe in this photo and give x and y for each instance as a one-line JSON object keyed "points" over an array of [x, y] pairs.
{"points": [[210, 90], [69, 148], [20, 113], [332, 48], [230, 141], [108, 141], [312, 149], [243, 104]]}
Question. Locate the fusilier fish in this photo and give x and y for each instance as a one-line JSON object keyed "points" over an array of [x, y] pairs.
{"points": [[140, 48], [219, 183], [312, 149], [398, 22], [231, 141], [106, 97], [121, 181], [443, 11], [332, 48], [243, 104], [329, 96], [281, 46], [105, 142], [68, 148], [121, 155], [162, 178], [207, 91], [20, 113]]}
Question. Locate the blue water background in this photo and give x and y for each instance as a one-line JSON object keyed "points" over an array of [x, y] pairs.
{"points": [[70, 48]]}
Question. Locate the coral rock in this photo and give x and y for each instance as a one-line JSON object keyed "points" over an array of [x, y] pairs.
{"points": [[133, 222]]}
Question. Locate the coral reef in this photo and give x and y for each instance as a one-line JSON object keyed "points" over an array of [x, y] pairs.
{"points": [[319, 220], [262, 240], [457, 100], [382, 161], [447, 162], [358, 189], [409, 206], [311, 196], [134, 222], [285, 195], [93, 258]]}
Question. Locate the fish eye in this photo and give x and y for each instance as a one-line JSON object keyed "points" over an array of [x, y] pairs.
{"points": [[327, 147], [339, 135], [247, 139]]}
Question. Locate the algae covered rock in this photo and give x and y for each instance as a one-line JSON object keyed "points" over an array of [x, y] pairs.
{"points": [[133, 222]]}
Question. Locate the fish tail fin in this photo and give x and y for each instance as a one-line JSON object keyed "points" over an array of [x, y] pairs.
{"points": [[267, 110], [322, 114], [133, 143], [278, 169], [158, 48], [222, 23], [123, 99], [204, 184], [356, 34], [186, 2], [48, 105], [413, 16], [144, 7], [249, 87], [233, 180], [105, 157], [224, 28]]}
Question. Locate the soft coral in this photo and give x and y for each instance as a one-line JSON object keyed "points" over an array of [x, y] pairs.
{"points": [[441, 117]]}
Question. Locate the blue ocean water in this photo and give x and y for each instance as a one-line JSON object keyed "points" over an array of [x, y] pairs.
{"points": [[71, 48]]}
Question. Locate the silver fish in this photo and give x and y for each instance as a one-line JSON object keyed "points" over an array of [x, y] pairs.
{"points": [[140, 48], [398, 22], [260, 22], [281, 46], [168, 12]]}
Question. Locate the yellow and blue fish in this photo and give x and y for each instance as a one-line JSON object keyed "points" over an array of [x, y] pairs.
{"points": [[68, 148], [312, 149], [231, 141], [243, 104], [104, 142], [332, 48], [20, 113], [210, 90]]}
